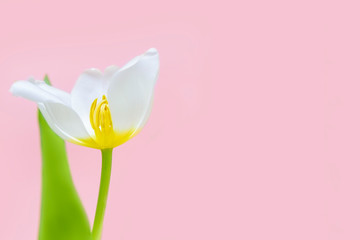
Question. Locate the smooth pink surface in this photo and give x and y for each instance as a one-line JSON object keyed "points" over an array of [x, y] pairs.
{"points": [[255, 131]]}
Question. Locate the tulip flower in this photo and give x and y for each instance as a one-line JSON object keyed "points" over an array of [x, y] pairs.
{"points": [[103, 110]]}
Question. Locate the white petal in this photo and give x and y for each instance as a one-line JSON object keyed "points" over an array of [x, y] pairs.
{"points": [[65, 122], [110, 71], [108, 75], [38, 91], [131, 89], [88, 87], [62, 95]]}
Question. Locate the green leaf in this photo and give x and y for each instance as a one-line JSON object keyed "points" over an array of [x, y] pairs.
{"points": [[62, 215]]}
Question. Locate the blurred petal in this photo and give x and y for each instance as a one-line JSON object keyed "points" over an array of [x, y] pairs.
{"points": [[108, 75], [130, 91], [88, 87], [110, 71]]}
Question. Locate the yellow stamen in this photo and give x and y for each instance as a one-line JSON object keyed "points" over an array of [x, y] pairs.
{"points": [[105, 136], [101, 122]]}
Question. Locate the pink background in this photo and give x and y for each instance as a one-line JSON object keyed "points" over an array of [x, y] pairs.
{"points": [[255, 131]]}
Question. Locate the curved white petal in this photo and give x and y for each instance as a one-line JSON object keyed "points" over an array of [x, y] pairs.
{"points": [[38, 91], [65, 122], [88, 87], [130, 91], [62, 95]]}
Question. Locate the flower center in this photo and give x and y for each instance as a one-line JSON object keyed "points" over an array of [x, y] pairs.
{"points": [[100, 119]]}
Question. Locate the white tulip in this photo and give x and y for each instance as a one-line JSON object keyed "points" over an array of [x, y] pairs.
{"points": [[103, 110]]}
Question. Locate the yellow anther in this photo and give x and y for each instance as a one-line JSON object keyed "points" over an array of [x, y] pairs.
{"points": [[100, 119]]}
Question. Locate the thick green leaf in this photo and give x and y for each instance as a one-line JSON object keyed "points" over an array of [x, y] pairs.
{"points": [[62, 214]]}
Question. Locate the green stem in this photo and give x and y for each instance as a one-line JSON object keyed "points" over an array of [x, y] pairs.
{"points": [[103, 193]]}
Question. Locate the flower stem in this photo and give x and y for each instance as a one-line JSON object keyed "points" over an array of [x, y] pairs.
{"points": [[103, 193]]}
